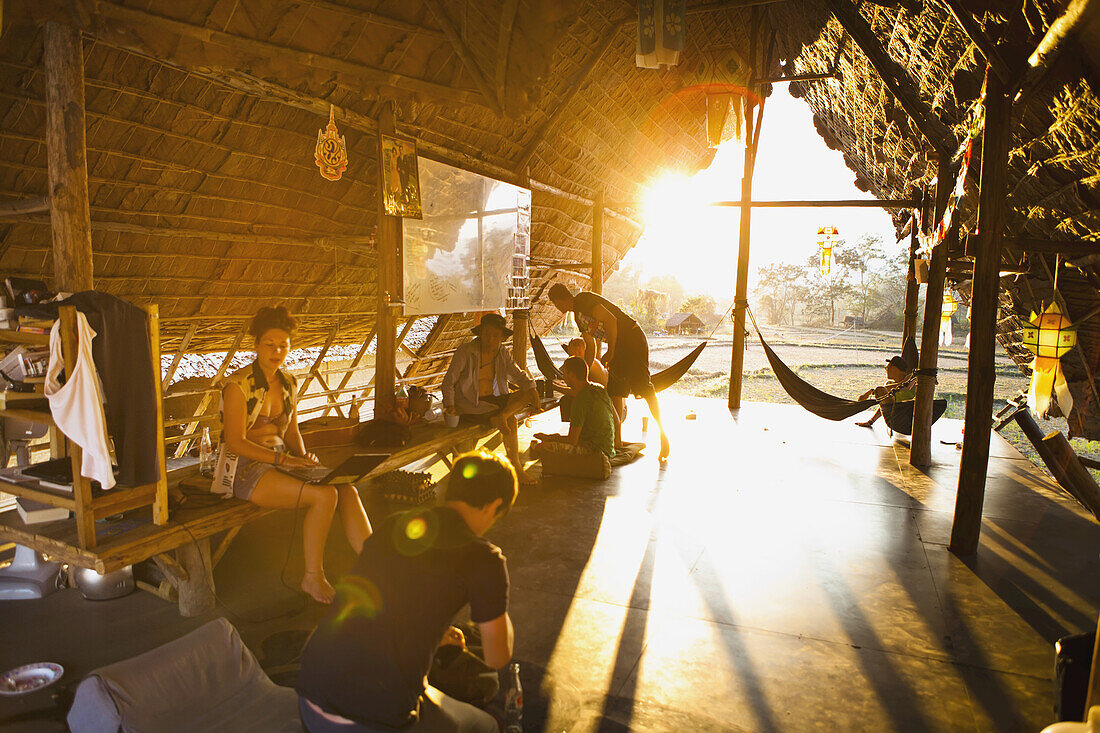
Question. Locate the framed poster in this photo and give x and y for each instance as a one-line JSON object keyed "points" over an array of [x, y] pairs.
{"points": [[400, 178]]}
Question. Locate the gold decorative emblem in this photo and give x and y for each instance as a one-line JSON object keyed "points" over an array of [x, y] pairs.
{"points": [[331, 153]]}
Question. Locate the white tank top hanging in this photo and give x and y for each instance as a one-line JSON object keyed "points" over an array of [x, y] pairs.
{"points": [[77, 406]]}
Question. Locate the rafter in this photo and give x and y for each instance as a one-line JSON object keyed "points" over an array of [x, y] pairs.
{"points": [[264, 49], [893, 76], [504, 46], [376, 19], [463, 52], [978, 37], [574, 86]]}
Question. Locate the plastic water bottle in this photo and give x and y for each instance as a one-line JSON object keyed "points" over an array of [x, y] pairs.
{"points": [[513, 702], [206, 454]]}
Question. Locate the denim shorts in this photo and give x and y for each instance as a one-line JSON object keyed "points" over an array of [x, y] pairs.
{"points": [[249, 473]]}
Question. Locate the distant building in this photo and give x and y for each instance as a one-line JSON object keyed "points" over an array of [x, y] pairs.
{"points": [[685, 324]]}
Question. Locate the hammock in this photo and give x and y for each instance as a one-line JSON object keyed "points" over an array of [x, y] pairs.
{"points": [[661, 380], [898, 416]]}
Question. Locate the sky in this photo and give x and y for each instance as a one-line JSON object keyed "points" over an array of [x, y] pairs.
{"points": [[698, 243]]}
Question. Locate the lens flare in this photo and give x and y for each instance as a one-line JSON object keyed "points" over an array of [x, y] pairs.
{"points": [[416, 529], [360, 598], [469, 470]]}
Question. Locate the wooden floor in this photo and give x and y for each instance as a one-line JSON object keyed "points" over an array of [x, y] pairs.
{"points": [[782, 573]]}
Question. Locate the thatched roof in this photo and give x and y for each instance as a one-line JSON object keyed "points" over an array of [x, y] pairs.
{"points": [[202, 117]]}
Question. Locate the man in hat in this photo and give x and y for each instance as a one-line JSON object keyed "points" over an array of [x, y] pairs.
{"points": [[897, 371], [476, 386], [627, 356]]}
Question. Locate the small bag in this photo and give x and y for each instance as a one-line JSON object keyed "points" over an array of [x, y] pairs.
{"points": [[225, 462]]}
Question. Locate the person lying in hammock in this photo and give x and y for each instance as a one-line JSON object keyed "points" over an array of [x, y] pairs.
{"points": [[897, 374]]}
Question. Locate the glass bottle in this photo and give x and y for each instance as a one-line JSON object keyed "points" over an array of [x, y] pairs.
{"points": [[513, 702], [206, 454]]}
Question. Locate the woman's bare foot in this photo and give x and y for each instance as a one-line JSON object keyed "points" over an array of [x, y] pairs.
{"points": [[864, 424], [317, 586], [663, 455], [524, 478]]}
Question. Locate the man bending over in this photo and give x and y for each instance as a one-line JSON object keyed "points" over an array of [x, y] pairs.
{"points": [[627, 356], [476, 386], [365, 667]]}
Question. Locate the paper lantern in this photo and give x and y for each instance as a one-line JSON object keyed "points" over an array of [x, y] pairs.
{"points": [[827, 238], [947, 310], [1049, 336], [661, 26]]}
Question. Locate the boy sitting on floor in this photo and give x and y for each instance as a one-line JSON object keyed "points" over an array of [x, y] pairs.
{"points": [[897, 372], [591, 419]]}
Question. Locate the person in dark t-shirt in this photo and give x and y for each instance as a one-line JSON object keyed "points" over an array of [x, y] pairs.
{"points": [[365, 667], [627, 356]]}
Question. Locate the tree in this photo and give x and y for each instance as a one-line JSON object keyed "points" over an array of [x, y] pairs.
{"points": [[670, 286], [825, 290], [702, 306], [780, 289], [856, 259]]}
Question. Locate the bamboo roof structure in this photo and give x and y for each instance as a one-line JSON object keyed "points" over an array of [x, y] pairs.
{"points": [[201, 119]]}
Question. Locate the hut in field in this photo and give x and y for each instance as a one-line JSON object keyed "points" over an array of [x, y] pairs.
{"points": [[684, 324], [390, 171]]}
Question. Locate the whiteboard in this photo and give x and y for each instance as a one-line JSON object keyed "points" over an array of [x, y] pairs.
{"points": [[459, 257]]}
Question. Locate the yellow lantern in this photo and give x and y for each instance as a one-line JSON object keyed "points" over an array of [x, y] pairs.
{"points": [[1049, 336], [948, 310], [827, 238]]}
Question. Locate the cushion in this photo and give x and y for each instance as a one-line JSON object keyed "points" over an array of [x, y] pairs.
{"points": [[207, 680], [567, 460]]}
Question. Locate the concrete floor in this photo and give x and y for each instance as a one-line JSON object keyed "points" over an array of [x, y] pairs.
{"points": [[782, 572]]}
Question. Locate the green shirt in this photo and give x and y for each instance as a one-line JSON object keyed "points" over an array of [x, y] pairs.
{"points": [[593, 414]]}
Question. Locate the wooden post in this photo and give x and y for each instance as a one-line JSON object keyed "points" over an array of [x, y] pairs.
{"points": [[196, 587], [1093, 697], [63, 56], [912, 287], [920, 450], [1077, 479], [160, 504], [389, 274], [967, 524], [520, 318], [82, 487], [740, 297], [596, 281]]}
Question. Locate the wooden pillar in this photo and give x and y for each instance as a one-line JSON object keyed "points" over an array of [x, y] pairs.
{"points": [[82, 487], [980, 376], [389, 283], [912, 287], [520, 318], [160, 503], [1093, 696], [920, 451], [196, 586], [67, 162], [596, 282], [740, 297]]}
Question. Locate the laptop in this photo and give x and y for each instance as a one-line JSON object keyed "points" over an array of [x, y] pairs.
{"points": [[353, 469]]}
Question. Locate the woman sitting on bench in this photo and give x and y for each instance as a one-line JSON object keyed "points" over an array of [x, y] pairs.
{"points": [[260, 425], [897, 372]]}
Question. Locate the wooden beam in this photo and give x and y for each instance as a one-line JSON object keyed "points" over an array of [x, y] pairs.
{"points": [[504, 47], [376, 19], [316, 363], [978, 37], [270, 51], [1063, 33], [981, 373], [575, 85], [63, 57], [178, 356], [208, 397], [796, 77], [920, 450], [912, 287], [938, 135], [25, 206], [160, 501], [82, 487], [1066, 248], [521, 317], [463, 52], [825, 204], [389, 284], [596, 285]]}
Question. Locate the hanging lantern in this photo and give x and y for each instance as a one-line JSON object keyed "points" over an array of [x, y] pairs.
{"points": [[946, 311], [827, 238], [723, 75], [331, 153], [661, 25], [1049, 336]]}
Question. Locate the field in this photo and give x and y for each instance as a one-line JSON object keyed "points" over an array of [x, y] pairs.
{"points": [[841, 362]]}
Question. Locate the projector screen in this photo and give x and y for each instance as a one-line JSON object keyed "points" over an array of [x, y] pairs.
{"points": [[459, 257]]}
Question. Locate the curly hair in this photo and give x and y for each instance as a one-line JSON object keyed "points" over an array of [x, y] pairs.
{"points": [[270, 317]]}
